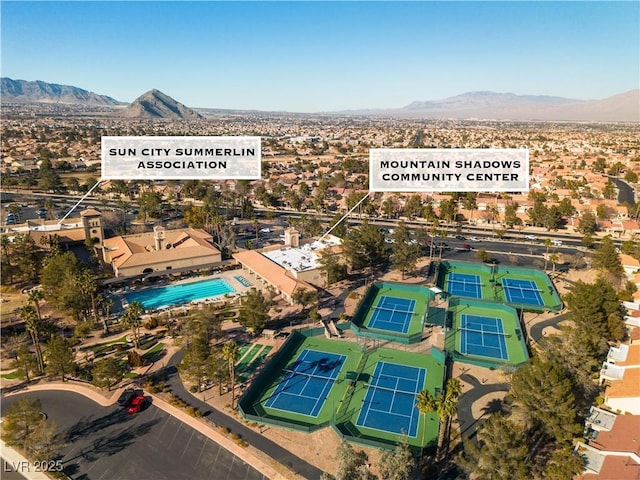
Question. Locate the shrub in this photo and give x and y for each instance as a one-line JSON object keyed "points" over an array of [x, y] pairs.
{"points": [[193, 389], [134, 358]]}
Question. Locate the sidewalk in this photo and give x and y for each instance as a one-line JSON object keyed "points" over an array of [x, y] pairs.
{"points": [[13, 460]]}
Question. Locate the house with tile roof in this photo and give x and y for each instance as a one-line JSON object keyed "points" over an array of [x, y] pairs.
{"points": [[612, 449]]}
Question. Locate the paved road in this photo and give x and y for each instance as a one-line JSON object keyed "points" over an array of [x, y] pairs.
{"points": [[468, 423], [105, 443], [272, 449]]}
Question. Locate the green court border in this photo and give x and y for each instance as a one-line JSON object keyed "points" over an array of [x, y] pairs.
{"points": [[515, 341], [344, 401], [493, 291], [347, 416], [365, 310]]}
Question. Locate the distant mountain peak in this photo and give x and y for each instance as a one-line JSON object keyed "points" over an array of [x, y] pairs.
{"points": [[38, 91], [155, 104]]}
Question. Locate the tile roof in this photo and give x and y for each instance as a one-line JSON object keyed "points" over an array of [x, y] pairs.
{"points": [[628, 387], [271, 272]]}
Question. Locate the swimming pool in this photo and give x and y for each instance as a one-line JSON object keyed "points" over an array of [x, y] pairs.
{"points": [[179, 294]]}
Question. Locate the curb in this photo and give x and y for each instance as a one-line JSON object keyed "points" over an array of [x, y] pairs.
{"points": [[210, 432]]}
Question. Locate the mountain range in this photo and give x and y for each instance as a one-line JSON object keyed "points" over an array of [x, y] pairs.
{"points": [[480, 105], [624, 107], [22, 91]]}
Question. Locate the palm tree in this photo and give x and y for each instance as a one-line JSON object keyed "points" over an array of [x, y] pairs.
{"points": [[132, 318], [32, 324], [553, 258], [5, 243], [34, 297], [230, 352], [547, 243], [447, 405], [425, 403], [107, 303]]}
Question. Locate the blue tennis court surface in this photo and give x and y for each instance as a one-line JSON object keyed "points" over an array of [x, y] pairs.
{"points": [[521, 291], [389, 404], [482, 336], [305, 386], [464, 285], [392, 313]]}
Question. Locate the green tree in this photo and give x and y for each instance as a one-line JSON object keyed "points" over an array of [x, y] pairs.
{"points": [[364, 246], [48, 179], [595, 307], [25, 427], [606, 257], [230, 352], [511, 218], [397, 464], [483, 255], [352, 465], [339, 225], [588, 224], [196, 365], [448, 210], [107, 372], [150, 203], [563, 464], [413, 207], [609, 191], [469, 203], [404, 254], [330, 265], [500, 451], [59, 357], [66, 283], [631, 176], [26, 361], [543, 391], [254, 312], [132, 319]]}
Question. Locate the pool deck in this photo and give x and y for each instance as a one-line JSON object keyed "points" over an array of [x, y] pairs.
{"points": [[227, 276]]}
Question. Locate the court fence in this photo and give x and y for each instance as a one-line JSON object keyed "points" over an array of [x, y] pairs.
{"points": [[450, 336], [487, 271], [248, 404], [366, 303]]}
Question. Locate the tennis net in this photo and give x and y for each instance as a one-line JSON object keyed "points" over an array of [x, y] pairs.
{"points": [[473, 330], [394, 310], [394, 390], [298, 372]]}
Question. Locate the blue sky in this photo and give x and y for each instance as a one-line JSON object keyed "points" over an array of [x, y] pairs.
{"points": [[323, 56]]}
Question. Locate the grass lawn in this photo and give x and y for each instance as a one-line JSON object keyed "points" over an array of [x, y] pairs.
{"points": [[158, 348], [13, 375]]}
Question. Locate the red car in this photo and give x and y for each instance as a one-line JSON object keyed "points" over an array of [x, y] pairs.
{"points": [[136, 404]]}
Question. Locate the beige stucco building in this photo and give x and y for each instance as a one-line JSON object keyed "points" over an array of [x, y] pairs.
{"points": [[161, 251]]}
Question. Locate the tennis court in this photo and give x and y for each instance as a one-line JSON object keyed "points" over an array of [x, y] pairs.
{"points": [[389, 404], [464, 285], [521, 291], [392, 313], [307, 383], [483, 336]]}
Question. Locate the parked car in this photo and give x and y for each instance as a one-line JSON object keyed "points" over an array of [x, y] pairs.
{"points": [[474, 239], [126, 396], [530, 237], [460, 237], [136, 404], [557, 243], [466, 246], [265, 230]]}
